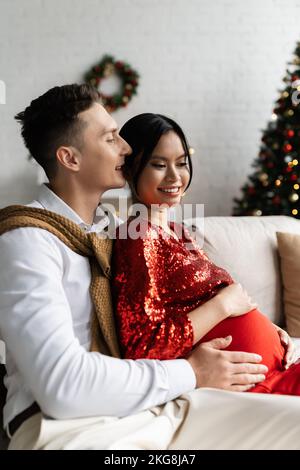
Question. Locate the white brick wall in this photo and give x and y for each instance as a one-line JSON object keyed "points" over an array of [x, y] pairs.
{"points": [[213, 66]]}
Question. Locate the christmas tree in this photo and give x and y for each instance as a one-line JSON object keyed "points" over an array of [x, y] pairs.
{"points": [[274, 186]]}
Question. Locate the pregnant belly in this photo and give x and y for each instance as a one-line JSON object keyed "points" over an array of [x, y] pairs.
{"points": [[252, 332]]}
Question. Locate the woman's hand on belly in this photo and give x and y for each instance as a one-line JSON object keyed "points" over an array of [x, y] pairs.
{"points": [[235, 301], [231, 301], [288, 345]]}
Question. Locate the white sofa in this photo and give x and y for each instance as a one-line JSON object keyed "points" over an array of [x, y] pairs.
{"points": [[247, 248]]}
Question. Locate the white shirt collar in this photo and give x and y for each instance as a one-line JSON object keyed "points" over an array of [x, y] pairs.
{"points": [[50, 201]]}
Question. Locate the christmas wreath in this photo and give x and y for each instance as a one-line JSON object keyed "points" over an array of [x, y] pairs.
{"points": [[129, 81]]}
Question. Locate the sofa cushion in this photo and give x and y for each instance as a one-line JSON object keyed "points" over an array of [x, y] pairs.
{"points": [[247, 248], [289, 250]]}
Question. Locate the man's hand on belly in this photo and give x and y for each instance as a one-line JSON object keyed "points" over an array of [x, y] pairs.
{"points": [[228, 370]]}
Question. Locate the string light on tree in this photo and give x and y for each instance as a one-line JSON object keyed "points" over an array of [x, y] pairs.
{"points": [[257, 212], [294, 197]]}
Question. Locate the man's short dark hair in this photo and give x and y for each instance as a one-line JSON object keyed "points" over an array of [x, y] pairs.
{"points": [[51, 120]]}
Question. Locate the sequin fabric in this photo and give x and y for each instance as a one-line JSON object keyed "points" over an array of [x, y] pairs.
{"points": [[157, 280]]}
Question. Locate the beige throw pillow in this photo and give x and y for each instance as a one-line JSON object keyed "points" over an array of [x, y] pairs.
{"points": [[289, 251]]}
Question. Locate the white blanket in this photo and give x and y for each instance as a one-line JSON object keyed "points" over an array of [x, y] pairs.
{"points": [[202, 419]]}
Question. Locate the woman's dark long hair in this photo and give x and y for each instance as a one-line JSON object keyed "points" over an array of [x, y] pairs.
{"points": [[142, 133]]}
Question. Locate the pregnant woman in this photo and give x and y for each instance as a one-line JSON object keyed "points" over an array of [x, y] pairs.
{"points": [[168, 294]]}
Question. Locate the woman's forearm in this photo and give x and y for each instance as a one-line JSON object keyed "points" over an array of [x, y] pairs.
{"points": [[205, 317]]}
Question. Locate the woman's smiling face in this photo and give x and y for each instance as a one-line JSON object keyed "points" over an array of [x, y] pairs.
{"points": [[166, 174]]}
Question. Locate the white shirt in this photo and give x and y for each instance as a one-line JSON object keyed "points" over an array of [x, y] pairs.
{"points": [[45, 311]]}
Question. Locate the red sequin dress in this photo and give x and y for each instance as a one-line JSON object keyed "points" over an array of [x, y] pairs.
{"points": [[158, 279]]}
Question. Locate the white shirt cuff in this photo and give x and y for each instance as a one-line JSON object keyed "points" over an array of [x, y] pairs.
{"points": [[182, 378]]}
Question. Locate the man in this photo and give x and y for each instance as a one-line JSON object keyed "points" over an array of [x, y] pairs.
{"points": [[46, 310]]}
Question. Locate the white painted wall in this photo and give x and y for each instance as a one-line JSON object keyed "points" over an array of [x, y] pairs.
{"points": [[213, 66]]}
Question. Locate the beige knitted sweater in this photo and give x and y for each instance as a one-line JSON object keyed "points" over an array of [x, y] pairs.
{"points": [[98, 250]]}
